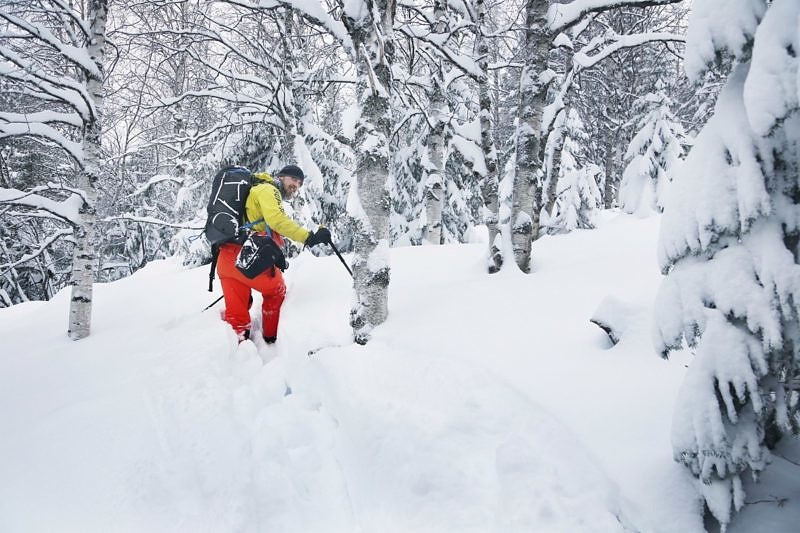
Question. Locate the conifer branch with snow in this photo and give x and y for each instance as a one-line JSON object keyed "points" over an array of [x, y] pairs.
{"points": [[729, 247]]}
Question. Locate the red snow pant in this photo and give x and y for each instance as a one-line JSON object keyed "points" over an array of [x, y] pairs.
{"points": [[236, 289]]}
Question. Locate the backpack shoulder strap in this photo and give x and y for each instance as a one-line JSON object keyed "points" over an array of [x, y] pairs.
{"points": [[214, 256]]}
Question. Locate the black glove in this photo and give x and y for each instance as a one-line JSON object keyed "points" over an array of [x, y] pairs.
{"points": [[321, 236]]}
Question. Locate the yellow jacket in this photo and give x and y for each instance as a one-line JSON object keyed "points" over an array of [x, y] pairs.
{"points": [[264, 201]]}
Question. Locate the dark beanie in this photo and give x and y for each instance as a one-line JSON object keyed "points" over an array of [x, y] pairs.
{"points": [[293, 171]]}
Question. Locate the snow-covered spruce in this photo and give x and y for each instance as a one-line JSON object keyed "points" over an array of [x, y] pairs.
{"points": [[578, 197], [729, 247], [653, 151]]}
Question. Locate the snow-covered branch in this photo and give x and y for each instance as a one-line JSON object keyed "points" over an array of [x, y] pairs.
{"points": [[466, 64], [620, 42], [76, 55], [152, 220], [311, 10], [59, 88], [562, 16], [42, 247], [159, 178], [66, 210], [44, 117], [35, 129]]}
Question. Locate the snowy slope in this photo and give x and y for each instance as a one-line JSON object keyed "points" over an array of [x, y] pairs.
{"points": [[485, 403]]}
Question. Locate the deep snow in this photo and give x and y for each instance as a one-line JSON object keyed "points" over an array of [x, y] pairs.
{"points": [[484, 403]]}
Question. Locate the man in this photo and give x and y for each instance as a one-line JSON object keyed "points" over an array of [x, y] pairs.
{"points": [[264, 202]]}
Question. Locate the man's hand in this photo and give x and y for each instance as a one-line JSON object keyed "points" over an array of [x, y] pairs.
{"points": [[321, 236]]}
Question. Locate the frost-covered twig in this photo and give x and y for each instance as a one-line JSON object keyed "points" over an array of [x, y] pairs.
{"points": [[43, 245], [563, 16], [151, 220], [774, 499]]}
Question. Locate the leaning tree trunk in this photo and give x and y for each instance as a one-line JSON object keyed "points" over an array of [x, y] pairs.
{"points": [[372, 40], [80, 310], [533, 93], [490, 182]]}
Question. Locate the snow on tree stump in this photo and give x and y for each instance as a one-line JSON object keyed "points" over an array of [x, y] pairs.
{"points": [[613, 317]]}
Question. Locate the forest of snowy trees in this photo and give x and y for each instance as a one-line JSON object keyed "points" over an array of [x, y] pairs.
{"points": [[417, 121]]}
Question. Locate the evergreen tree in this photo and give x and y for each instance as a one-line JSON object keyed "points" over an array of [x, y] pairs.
{"points": [[729, 247], [651, 154], [406, 191], [578, 195]]}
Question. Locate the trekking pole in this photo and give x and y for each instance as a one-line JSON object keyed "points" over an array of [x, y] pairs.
{"points": [[336, 251], [213, 303]]}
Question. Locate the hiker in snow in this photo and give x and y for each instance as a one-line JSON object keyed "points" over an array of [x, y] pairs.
{"points": [[263, 206]]}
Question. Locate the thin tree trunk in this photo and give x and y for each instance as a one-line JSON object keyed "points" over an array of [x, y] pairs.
{"points": [[179, 85], [374, 54], [290, 119], [491, 181], [533, 93], [12, 277], [5, 175], [609, 190], [80, 311]]}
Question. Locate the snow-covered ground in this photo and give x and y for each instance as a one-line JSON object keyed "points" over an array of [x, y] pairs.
{"points": [[485, 403]]}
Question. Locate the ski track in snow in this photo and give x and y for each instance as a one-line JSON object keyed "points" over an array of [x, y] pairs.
{"points": [[473, 408]]}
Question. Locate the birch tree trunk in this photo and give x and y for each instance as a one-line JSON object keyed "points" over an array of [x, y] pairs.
{"points": [[290, 118], [80, 310], [491, 180], [533, 93], [434, 183], [178, 86], [374, 50], [613, 152], [434, 166]]}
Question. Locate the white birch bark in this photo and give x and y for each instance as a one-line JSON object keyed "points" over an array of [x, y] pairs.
{"points": [[179, 85], [83, 265], [554, 166], [291, 117], [613, 153], [434, 183], [533, 92], [434, 164], [374, 49], [434, 205], [490, 181]]}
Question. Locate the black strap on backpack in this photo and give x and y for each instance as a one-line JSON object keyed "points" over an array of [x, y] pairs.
{"points": [[214, 256]]}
